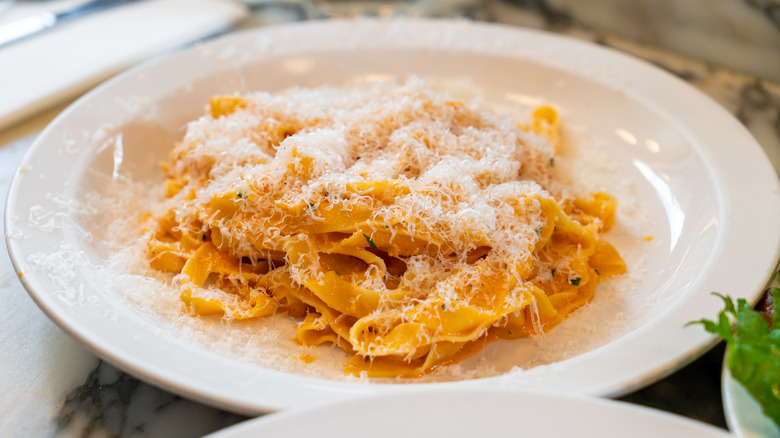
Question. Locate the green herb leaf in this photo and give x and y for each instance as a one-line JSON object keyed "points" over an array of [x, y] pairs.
{"points": [[775, 292], [369, 240], [754, 350], [552, 162], [575, 281]]}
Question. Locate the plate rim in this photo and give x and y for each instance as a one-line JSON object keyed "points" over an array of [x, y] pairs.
{"points": [[208, 395], [254, 426]]}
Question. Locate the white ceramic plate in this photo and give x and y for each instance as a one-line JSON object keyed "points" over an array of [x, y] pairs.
{"points": [[686, 172], [473, 413], [743, 413]]}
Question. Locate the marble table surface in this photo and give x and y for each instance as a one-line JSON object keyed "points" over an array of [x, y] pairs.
{"points": [[52, 386]]}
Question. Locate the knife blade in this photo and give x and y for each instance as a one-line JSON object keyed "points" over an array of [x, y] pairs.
{"points": [[27, 26]]}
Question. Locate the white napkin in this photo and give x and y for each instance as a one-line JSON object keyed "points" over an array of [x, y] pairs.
{"points": [[67, 60]]}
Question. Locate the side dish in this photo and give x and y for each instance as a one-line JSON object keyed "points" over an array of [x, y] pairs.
{"points": [[753, 338], [407, 227]]}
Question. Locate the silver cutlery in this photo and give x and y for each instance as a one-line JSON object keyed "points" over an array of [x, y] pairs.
{"points": [[27, 26]]}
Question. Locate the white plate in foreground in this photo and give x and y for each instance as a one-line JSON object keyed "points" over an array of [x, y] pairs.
{"points": [[685, 171], [474, 413]]}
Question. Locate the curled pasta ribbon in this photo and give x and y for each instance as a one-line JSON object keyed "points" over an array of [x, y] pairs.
{"points": [[248, 300], [544, 121]]}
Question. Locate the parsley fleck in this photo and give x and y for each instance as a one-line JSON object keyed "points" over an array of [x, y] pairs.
{"points": [[575, 281], [538, 231], [369, 240], [203, 237], [510, 332], [553, 273], [552, 162], [597, 272], [443, 306], [311, 205], [240, 195]]}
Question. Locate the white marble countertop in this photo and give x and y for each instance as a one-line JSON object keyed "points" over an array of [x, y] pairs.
{"points": [[52, 386]]}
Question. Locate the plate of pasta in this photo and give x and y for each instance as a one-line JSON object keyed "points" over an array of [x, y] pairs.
{"points": [[311, 212]]}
